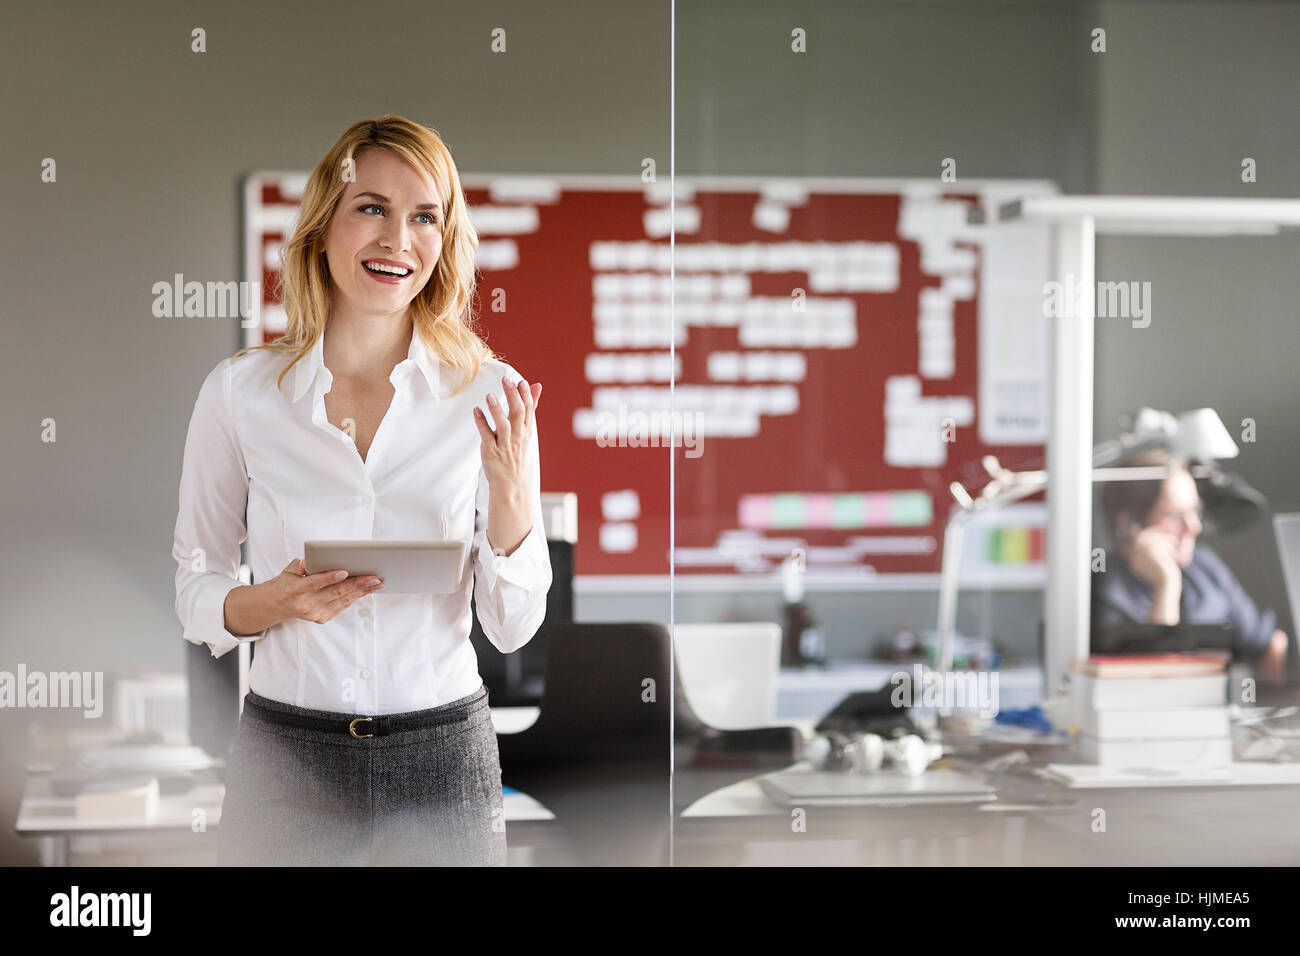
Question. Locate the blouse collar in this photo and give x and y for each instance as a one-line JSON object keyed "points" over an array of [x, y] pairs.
{"points": [[311, 365]]}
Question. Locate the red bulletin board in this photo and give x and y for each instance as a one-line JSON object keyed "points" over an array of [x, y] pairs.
{"points": [[917, 346]]}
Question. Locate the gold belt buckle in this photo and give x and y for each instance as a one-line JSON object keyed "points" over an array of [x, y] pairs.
{"points": [[352, 728]]}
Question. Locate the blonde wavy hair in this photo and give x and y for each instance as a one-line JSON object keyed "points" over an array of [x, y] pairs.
{"points": [[441, 312]]}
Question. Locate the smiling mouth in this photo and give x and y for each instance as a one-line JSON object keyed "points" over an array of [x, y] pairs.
{"points": [[387, 272]]}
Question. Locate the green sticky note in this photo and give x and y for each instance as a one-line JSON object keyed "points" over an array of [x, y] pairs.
{"points": [[787, 511], [993, 546], [911, 508], [848, 511]]}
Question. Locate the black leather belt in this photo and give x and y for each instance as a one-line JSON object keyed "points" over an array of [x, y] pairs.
{"points": [[362, 727]]}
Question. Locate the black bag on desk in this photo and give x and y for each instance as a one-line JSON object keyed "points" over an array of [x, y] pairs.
{"points": [[868, 712]]}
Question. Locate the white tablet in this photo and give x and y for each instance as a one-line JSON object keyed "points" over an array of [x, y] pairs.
{"points": [[406, 567]]}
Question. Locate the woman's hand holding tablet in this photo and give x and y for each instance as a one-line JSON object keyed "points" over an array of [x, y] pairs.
{"points": [[319, 597], [406, 567]]}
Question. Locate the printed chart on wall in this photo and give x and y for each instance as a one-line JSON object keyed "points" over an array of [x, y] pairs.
{"points": [[842, 350]]}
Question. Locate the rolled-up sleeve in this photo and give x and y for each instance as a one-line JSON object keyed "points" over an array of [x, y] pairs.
{"points": [[210, 522], [510, 590]]}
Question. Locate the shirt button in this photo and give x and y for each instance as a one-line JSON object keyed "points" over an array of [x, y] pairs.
{"points": [[365, 612], [365, 674]]}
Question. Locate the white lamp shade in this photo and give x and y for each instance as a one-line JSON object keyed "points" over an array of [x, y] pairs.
{"points": [[1202, 436]]}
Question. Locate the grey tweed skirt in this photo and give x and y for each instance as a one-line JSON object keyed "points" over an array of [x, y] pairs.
{"points": [[304, 797]]}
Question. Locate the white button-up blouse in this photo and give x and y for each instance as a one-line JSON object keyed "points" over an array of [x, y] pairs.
{"points": [[266, 464]]}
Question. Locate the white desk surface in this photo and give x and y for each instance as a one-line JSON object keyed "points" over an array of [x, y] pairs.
{"points": [[746, 797], [742, 799], [511, 720], [40, 813], [1241, 773]]}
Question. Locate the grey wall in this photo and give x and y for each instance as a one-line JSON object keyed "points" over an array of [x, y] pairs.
{"points": [[885, 89], [1185, 91]]}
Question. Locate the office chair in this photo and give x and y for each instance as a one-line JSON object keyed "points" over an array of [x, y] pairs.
{"points": [[592, 706], [598, 755]]}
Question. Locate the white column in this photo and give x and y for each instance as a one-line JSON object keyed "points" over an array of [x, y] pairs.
{"points": [[1069, 453]]}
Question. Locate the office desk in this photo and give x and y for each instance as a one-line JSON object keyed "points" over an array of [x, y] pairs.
{"points": [[739, 825], [171, 837], [53, 823], [1249, 821]]}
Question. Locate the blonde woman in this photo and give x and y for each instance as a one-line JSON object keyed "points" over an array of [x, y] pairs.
{"points": [[380, 414]]}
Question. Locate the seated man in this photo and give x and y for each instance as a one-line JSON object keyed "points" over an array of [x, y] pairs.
{"points": [[1157, 572]]}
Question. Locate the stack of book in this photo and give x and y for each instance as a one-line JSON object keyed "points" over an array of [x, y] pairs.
{"points": [[1140, 710]]}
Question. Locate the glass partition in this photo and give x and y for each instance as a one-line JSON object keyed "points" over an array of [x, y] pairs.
{"points": [[884, 326]]}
